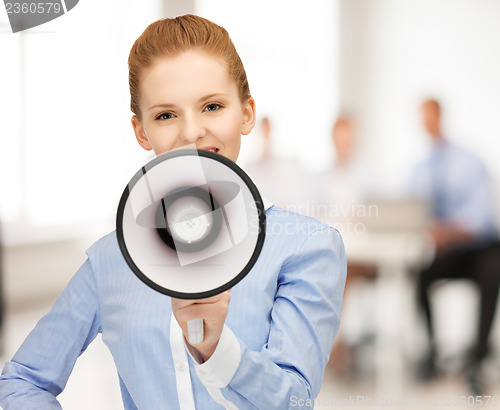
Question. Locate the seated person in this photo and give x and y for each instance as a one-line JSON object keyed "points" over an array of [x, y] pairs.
{"points": [[456, 183]]}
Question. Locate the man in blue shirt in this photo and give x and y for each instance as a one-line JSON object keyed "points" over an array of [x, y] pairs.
{"points": [[456, 184]]}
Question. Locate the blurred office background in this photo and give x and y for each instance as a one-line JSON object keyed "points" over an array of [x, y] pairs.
{"points": [[68, 150]]}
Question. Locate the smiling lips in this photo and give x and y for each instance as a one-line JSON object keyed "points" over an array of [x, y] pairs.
{"points": [[211, 149]]}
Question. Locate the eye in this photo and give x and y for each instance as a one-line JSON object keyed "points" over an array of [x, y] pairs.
{"points": [[213, 107], [165, 116]]}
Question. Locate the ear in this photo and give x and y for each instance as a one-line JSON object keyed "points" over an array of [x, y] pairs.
{"points": [[140, 134], [249, 116]]}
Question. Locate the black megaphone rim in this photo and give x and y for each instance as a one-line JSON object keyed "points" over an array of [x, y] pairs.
{"points": [[235, 168]]}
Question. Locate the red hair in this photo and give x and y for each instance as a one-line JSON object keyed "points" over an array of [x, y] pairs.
{"points": [[171, 36]]}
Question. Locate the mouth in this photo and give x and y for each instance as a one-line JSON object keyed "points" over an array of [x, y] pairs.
{"points": [[211, 149]]}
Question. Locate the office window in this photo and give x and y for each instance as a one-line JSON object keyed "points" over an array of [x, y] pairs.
{"points": [[68, 148]]}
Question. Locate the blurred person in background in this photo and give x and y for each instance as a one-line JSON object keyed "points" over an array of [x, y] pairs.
{"points": [[265, 125], [280, 179], [348, 182], [456, 184], [344, 188], [349, 176]]}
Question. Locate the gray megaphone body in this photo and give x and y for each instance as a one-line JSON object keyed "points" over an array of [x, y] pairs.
{"points": [[191, 224]]}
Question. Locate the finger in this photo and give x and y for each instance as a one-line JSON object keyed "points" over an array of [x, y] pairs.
{"points": [[208, 312], [213, 299], [183, 303]]}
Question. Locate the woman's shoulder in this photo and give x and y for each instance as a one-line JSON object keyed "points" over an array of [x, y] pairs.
{"points": [[298, 241], [105, 250], [107, 242], [279, 215], [292, 225]]}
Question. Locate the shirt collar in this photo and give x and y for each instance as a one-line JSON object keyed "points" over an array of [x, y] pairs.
{"points": [[439, 147]]}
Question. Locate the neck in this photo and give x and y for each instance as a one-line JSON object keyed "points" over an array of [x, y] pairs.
{"points": [[436, 134]]}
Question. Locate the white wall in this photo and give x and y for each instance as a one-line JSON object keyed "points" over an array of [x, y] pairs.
{"points": [[290, 52], [396, 52]]}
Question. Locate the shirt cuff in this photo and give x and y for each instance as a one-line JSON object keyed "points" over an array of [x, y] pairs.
{"points": [[220, 368]]}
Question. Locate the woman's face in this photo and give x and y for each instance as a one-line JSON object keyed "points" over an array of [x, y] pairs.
{"points": [[191, 99]]}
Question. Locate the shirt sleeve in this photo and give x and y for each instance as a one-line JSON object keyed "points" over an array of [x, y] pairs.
{"points": [[40, 369], [289, 369], [219, 369]]}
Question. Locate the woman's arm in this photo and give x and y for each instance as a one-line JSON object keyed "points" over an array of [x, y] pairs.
{"points": [[288, 371], [39, 370]]}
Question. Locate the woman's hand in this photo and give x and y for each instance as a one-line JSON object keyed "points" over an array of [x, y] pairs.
{"points": [[212, 310]]}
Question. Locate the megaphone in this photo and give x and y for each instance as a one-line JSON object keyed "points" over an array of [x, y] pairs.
{"points": [[191, 224]]}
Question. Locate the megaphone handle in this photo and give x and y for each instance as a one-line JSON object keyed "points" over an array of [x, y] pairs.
{"points": [[195, 331]]}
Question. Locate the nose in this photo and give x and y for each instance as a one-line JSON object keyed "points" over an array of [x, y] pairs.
{"points": [[192, 130]]}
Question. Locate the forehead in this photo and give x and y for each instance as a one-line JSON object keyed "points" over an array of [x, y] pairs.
{"points": [[184, 77]]}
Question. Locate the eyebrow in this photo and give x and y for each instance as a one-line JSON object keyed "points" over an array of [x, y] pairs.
{"points": [[206, 97]]}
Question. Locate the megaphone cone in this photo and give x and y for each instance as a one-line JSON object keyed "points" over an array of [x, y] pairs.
{"points": [[191, 224]]}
